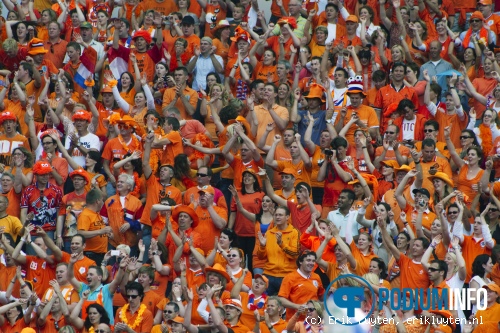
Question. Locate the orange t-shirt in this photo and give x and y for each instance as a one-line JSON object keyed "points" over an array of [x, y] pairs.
{"points": [[91, 221], [413, 274], [207, 228], [174, 148], [80, 268], [471, 248], [239, 166], [40, 273], [151, 300], [116, 149], [362, 260], [191, 95], [154, 194], [300, 289]]}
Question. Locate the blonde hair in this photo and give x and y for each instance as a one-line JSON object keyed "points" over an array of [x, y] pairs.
{"points": [[403, 56], [224, 95], [10, 44]]}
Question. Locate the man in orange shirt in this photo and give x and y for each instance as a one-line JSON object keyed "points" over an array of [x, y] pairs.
{"points": [[10, 138], [91, 225], [82, 262], [130, 313], [122, 212], [171, 142], [158, 188], [181, 96], [233, 313], [212, 218], [437, 271], [70, 295], [391, 149], [413, 274], [301, 286], [365, 116], [490, 19], [55, 45]]}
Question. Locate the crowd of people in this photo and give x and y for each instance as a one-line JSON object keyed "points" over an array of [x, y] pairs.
{"points": [[198, 166]]}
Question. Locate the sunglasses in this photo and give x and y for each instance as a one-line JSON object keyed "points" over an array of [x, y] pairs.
{"points": [[311, 309], [431, 269], [463, 137], [454, 212], [99, 331], [472, 21], [235, 255], [387, 132], [168, 311], [201, 174], [428, 131], [132, 296]]}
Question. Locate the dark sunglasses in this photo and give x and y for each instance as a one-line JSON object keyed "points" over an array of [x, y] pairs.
{"points": [[428, 131], [201, 174], [387, 132], [454, 212], [99, 331], [472, 21], [311, 309], [431, 269], [463, 137], [168, 311], [132, 296]]}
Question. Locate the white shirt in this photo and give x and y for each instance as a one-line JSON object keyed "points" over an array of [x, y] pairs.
{"points": [[89, 141]]}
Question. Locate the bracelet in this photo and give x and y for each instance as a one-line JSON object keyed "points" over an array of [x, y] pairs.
{"points": [[417, 162], [13, 281], [363, 147]]}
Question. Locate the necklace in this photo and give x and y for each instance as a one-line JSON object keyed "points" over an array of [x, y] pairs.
{"points": [[137, 321]]}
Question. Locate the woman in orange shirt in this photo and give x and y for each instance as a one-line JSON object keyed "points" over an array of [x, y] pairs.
{"points": [[129, 86], [22, 159], [285, 96], [96, 315], [218, 98], [12, 318], [235, 264], [223, 246], [413, 45], [101, 32], [221, 41], [265, 69]]}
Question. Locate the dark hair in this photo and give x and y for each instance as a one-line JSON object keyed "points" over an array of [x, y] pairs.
{"points": [[28, 162], [338, 142], [74, 45], [164, 252], [473, 135], [92, 197], [174, 305], [182, 68], [256, 185], [255, 83], [217, 77], [414, 67], [331, 4], [26, 24], [405, 103], [343, 70], [227, 113], [174, 122], [477, 265], [442, 266], [428, 143], [425, 242], [407, 236], [300, 185], [181, 167], [104, 315], [136, 165], [81, 236], [494, 254], [304, 254], [230, 234], [398, 64], [350, 193], [135, 286], [96, 156], [479, 153], [97, 268], [132, 81], [20, 309], [437, 89], [379, 75], [432, 123], [275, 88], [382, 266]]}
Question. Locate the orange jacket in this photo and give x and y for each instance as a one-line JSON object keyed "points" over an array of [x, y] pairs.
{"points": [[280, 258]]}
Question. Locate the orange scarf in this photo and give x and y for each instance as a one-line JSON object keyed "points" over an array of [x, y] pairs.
{"points": [[486, 139], [483, 34]]}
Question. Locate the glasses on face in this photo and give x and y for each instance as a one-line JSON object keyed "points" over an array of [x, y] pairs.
{"points": [[235, 255], [432, 269], [388, 132], [198, 174], [463, 137], [132, 296], [311, 309], [454, 212], [475, 21], [168, 311], [428, 131], [99, 331]]}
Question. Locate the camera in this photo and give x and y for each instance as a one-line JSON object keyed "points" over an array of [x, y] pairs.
{"points": [[328, 152]]}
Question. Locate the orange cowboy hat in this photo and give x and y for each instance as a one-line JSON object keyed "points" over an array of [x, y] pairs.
{"points": [[35, 46], [443, 176], [81, 173], [188, 210], [291, 21], [217, 268], [316, 91]]}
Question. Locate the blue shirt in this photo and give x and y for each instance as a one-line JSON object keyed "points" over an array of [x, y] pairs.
{"points": [[318, 127], [107, 298]]}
